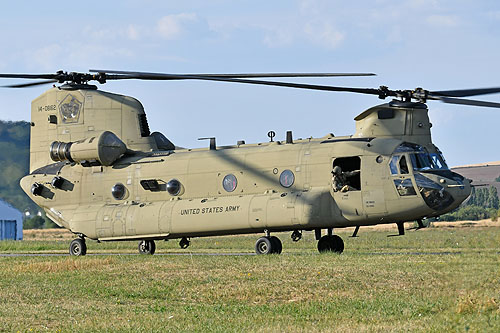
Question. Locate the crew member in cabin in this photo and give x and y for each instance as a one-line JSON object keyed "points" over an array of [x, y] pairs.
{"points": [[339, 179]]}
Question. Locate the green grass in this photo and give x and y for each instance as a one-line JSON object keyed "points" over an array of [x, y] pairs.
{"points": [[436, 279]]}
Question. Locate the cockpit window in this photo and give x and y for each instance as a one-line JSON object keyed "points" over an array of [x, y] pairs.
{"points": [[394, 165], [439, 161], [420, 158], [407, 147], [403, 167], [421, 161], [426, 161]]}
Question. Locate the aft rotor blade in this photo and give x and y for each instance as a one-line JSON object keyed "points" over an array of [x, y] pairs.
{"points": [[167, 76], [24, 85], [466, 92], [462, 101]]}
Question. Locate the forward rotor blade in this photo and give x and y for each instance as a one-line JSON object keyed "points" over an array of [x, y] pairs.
{"points": [[28, 76], [159, 76], [24, 85], [466, 92], [462, 101], [167, 76]]}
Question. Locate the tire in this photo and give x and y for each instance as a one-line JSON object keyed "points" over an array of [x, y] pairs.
{"points": [[324, 244], [263, 246], [77, 247], [147, 247], [277, 247], [184, 243], [331, 243], [338, 244]]}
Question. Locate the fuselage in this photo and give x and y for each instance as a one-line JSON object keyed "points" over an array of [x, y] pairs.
{"points": [[271, 186], [112, 179]]}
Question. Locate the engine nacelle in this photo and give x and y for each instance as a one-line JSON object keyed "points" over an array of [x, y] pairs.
{"points": [[104, 148]]}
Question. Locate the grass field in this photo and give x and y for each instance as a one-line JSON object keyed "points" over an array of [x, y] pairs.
{"points": [[436, 279]]}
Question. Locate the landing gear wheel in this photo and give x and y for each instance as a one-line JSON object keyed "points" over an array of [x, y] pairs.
{"points": [[263, 246], [184, 243], [147, 247], [268, 245], [331, 243], [296, 235], [276, 246], [77, 247]]}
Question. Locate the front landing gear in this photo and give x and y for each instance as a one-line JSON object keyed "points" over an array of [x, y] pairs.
{"points": [[331, 243], [268, 245], [184, 243], [147, 247], [77, 247]]}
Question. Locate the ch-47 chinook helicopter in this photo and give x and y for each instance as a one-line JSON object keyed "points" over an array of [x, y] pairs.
{"points": [[96, 169]]}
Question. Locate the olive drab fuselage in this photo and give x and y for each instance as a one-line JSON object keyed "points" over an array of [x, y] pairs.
{"points": [[96, 170]]}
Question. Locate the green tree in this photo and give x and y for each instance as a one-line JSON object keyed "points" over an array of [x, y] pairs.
{"points": [[480, 197], [36, 222], [472, 198], [14, 163], [492, 198], [472, 213]]}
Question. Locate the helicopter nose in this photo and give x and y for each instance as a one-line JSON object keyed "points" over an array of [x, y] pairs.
{"points": [[444, 192], [460, 190]]}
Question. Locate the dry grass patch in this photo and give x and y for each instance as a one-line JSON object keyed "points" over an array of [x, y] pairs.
{"points": [[470, 304], [48, 234], [58, 266]]}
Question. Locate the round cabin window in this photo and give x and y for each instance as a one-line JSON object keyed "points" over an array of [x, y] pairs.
{"points": [[119, 191], [287, 178], [229, 183], [173, 186]]}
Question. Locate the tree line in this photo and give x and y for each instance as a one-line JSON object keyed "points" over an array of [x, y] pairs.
{"points": [[14, 164], [483, 203]]}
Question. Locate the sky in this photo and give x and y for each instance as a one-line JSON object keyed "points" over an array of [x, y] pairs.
{"points": [[437, 45]]}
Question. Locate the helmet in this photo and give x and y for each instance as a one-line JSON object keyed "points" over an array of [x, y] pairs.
{"points": [[337, 170]]}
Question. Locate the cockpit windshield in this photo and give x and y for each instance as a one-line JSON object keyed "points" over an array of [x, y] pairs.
{"points": [[421, 159], [426, 161]]}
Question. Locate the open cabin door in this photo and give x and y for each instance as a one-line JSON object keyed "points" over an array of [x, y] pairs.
{"points": [[346, 187]]}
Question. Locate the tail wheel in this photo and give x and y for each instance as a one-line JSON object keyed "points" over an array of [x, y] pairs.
{"points": [[77, 247], [147, 247]]}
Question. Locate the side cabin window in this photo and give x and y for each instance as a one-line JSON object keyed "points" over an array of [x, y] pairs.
{"points": [[350, 168]]}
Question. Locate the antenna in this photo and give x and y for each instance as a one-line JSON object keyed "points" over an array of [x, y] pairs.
{"points": [[212, 142]]}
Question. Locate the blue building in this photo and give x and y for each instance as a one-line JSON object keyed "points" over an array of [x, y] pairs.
{"points": [[11, 222]]}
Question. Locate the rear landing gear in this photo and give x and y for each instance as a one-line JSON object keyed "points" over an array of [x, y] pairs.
{"points": [[77, 247], [147, 247], [331, 243], [268, 245]]}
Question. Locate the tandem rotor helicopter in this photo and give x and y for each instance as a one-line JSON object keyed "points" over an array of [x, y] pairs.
{"points": [[96, 169]]}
